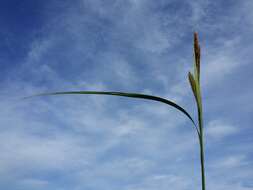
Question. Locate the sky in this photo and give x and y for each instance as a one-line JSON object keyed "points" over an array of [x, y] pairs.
{"points": [[110, 143]]}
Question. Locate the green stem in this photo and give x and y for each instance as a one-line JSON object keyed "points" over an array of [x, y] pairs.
{"points": [[201, 143], [202, 163]]}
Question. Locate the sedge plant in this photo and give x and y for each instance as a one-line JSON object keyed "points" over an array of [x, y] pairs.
{"points": [[194, 80]]}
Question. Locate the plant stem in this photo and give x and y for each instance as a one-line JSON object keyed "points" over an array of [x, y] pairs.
{"points": [[201, 143]]}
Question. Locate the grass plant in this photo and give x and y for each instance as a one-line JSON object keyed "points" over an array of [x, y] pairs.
{"points": [[194, 80]]}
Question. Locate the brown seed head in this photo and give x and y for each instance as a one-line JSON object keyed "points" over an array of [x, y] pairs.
{"points": [[197, 53]]}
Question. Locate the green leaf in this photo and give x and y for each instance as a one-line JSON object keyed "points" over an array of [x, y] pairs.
{"points": [[124, 94], [195, 89], [193, 85]]}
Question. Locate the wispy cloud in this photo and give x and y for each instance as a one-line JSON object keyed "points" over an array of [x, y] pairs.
{"points": [[95, 142], [218, 129]]}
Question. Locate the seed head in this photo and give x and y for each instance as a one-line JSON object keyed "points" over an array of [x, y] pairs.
{"points": [[197, 53]]}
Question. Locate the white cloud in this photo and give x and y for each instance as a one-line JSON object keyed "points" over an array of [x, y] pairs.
{"points": [[217, 67], [38, 49], [154, 41], [245, 9], [199, 9], [224, 186], [85, 136], [162, 182], [230, 162], [219, 129], [33, 183], [26, 153]]}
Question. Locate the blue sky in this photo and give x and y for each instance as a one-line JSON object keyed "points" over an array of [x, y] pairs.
{"points": [[110, 143]]}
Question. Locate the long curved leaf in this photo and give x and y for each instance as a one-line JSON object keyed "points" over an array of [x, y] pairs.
{"points": [[124, 94]]}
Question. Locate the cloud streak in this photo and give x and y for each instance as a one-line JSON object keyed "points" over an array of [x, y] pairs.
{"points": [[91, 142]]}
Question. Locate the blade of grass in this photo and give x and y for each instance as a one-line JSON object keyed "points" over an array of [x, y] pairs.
{"points": [[124, 94], [195, 84]]}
